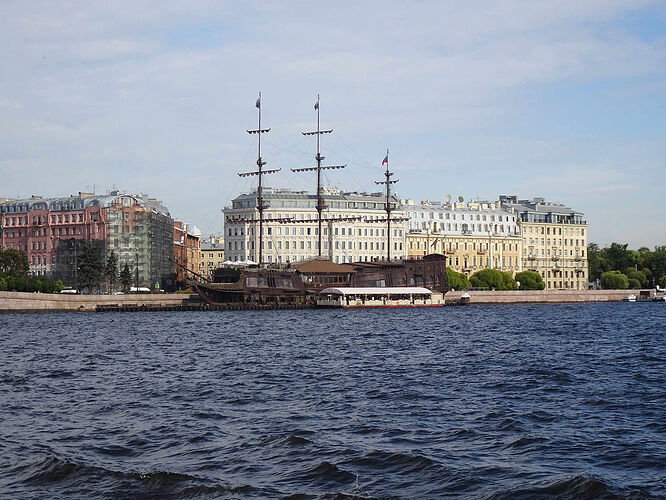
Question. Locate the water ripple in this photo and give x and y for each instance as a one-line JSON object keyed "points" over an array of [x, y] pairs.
{"points": [[547, 401]]}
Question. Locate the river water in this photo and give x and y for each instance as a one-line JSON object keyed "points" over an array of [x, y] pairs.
{"points": [[525, 401]]}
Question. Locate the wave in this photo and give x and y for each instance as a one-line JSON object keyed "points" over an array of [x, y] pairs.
{"points": [[578, 487], [526, 443], [90, 480], [59, 374], [394, 462], [11, 379]]}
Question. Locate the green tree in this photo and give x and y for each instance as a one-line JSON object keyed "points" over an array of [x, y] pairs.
{"points": [[619, 257], [662, 282], [91, 265], [13, 263], [658, 262], [111, 269], [640, 277], [530, 280], [457, 281], [126, 278], [493, 279], [614, 280], [633, 283], [596, 262]]}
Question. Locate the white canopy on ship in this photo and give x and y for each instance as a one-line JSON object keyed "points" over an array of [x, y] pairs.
{"points": [[239, 263], [377, 291]]}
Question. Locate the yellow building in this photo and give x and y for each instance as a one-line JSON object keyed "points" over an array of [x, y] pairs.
{"points": [[473, 236], [554, 242], [212, 256], [469, 254]]}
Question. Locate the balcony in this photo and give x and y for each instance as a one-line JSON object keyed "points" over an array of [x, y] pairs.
{"points": [[481, 252]]}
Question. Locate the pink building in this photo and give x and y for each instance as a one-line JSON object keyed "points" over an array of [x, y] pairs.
{"points": [[38, 225], [47, 230]]}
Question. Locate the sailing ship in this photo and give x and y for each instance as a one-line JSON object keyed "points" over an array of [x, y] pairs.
{"points": [[300, 282]]}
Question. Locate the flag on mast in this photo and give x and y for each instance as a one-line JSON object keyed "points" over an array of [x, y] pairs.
{"points": [[385, 159], [317, 103], [258, 105]]}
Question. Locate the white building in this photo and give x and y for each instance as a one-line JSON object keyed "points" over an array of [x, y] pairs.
{"points": [[354, 227], [460, 219]]}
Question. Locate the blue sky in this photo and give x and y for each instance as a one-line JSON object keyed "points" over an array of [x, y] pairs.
{"points": [[563, 100]]}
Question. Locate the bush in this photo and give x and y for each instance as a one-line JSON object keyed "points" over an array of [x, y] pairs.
{"points": [[642, 277], [614, 280], [33, 284], [493, 279], [457, 281], [662, 282], [530, 280], [634, 283]]}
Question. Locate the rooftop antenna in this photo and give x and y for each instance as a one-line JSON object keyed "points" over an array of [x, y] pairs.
{"points": [[388, 183], [260, 172], [320, 199]]}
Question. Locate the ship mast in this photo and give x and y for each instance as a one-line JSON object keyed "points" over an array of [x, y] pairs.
{"points": [[260, 172], [320, 199], [388, 183]]}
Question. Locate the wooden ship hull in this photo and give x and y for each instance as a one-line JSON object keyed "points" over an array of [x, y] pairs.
{"points": [[263, 286], [302, 283]]}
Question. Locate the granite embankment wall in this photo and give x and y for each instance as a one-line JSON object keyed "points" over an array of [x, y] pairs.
{"points": [[24, 302], [541, 296]]}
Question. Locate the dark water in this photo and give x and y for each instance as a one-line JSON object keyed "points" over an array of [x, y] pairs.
{"points": [[544, 401]]}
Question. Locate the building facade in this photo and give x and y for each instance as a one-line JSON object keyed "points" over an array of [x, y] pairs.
{"points": [[354, 227], [140, 234], [212, 256], [473, 236], [187, 251], [50, 230], [554, 241]]}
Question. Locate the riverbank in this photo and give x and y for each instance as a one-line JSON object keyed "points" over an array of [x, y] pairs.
{"points": [[35, 302], [541, 296]]}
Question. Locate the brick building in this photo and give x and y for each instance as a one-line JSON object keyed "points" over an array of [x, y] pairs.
{"points": [[186, 251], [50, 230]]}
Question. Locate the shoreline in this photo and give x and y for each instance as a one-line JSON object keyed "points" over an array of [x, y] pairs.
{"points": [[26, 302]]}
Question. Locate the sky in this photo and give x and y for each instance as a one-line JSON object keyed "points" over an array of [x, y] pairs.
{"points": [[565, 100]]}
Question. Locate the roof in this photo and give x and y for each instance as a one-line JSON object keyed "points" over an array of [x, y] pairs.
{"points": [[321, 266], [79, 203], [211, 247], [389, 290]]}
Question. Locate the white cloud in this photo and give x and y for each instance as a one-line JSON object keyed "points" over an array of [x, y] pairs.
{"points": [[156, 97]]}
